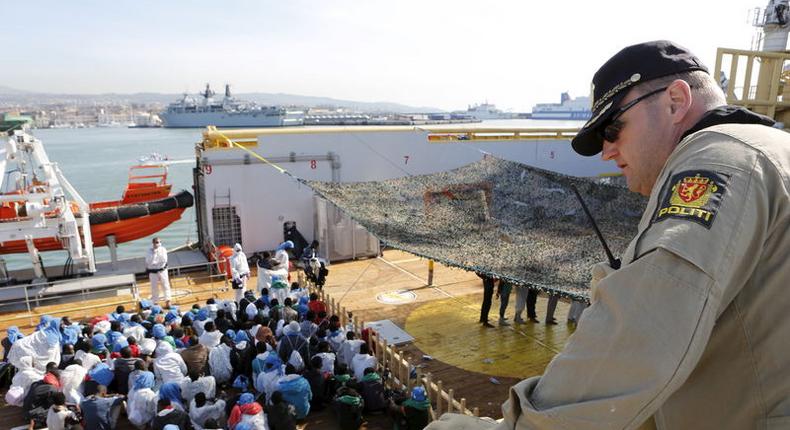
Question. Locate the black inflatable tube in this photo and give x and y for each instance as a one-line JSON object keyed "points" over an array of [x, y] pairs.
{"points": [[181, 200]]}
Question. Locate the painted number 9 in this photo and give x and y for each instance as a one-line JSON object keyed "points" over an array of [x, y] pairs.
{"points": [[313, 164]]}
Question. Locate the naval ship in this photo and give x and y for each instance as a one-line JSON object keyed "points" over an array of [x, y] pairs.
{"points": [[229, 112]]}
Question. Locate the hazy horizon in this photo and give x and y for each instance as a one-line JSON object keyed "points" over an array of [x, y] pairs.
{"points": [[440, 54]]}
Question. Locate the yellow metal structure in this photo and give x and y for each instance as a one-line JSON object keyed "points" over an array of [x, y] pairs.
{"points": [[214, 138], [769, 93]]}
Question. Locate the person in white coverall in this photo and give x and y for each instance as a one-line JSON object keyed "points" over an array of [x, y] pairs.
{"points": [[240, 271], [156, 266], [281, 256]]}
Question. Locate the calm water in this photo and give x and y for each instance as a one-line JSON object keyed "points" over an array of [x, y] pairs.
{"points": [[97, 160]]}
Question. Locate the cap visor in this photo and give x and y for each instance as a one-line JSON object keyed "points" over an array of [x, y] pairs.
{"points": [[588, 141]]}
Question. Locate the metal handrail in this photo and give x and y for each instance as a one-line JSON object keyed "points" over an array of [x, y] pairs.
{"points": [[770, 78], [83, 310], [214, 138], [211, 267]]}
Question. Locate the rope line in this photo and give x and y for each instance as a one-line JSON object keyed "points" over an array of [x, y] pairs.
{"points": [[254, 154]]}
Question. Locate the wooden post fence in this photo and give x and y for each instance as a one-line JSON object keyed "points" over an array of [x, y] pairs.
{"points": [[400, 369]]}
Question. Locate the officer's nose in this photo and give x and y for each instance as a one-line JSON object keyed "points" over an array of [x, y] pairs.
{"points": [[609, 151]]}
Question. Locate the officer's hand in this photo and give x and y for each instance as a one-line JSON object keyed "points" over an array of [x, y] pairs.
{"points": [[460, 422]]}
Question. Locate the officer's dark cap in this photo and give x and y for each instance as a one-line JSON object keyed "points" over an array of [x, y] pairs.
{"points": [[631, 66]]}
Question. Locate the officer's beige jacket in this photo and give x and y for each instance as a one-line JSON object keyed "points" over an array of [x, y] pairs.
{"points": [[694, 329]]}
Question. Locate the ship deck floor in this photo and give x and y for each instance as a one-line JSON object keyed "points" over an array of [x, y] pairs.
{"points": [[442, 318]]}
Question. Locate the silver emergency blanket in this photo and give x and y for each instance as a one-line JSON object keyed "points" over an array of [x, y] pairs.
{"points": [[499, 218]]}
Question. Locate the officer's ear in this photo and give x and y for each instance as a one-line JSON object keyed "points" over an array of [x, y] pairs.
{"points": [[680, 100]]}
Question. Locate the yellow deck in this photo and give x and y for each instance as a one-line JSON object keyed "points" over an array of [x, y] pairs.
{"points": [[443, 318]]}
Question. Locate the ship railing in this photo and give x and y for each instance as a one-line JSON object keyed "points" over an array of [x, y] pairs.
{"points": [[215, 138], [443, 135], [194, 282], [403, 375], [756, 79]]}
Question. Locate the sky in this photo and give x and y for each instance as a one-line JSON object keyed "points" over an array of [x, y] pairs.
{"points": [[443, 54]]}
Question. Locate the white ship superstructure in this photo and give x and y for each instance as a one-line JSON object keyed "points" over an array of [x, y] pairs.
{"points": [[567, 109], [486, 111], [229, 112]]}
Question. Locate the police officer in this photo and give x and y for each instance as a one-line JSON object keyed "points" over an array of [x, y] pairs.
{"points": [[692, 330]]}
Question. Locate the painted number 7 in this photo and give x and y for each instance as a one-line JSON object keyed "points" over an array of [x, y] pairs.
{"points": [[405, 159]]}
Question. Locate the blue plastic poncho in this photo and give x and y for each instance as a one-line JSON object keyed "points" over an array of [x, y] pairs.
{"points": [[285, 245], [14, 334], [114, 336], [71, 334], [245, 399], [241, 336], [158, 331], [102, 374], [143, 380], [418, 394], [172, 392], [296, 391], [43, 322], [52, 330], [241, 382], [120, 344], [99, 342], [272, 363]]}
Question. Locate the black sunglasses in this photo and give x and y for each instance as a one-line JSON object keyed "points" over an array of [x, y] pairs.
{"points": [[610, 130]]}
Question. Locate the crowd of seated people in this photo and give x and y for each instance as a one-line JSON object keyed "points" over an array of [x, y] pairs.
{"points": [[264, 362]]}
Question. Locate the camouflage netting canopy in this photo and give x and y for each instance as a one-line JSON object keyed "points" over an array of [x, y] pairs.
{"points": [[496, 217]]}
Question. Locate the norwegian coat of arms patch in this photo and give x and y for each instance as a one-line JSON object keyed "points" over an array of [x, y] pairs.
{"points": [[693, 195]]}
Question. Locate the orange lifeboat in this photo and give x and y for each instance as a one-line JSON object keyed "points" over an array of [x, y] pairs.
{"points": [[145, 208]]}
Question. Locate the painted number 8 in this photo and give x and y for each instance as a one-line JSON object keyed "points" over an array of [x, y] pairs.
{"points": [[313, 164]]}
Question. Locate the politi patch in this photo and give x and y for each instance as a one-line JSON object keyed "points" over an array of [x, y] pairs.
{"points": [[693, 195]]}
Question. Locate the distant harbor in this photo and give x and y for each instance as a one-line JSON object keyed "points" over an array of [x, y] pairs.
{"points": [[144, 110]]}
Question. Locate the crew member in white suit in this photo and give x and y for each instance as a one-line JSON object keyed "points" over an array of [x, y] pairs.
{"points": [[240, 270], [281, 255], [156, 265]]}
